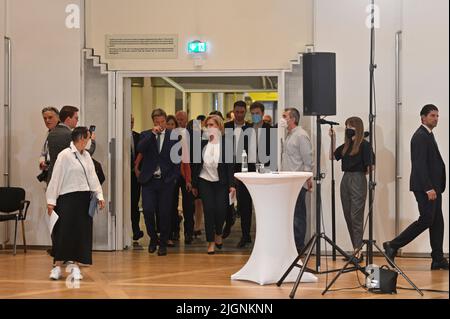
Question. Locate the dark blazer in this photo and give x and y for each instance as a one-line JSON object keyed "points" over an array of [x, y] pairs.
{"points": [[266, 127], [225, 170], [228, 125], [152, 158], [135, 141], [58, 140], [427, 165]]}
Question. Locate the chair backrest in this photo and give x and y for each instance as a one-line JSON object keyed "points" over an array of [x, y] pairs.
{"points": [[11, 199]]}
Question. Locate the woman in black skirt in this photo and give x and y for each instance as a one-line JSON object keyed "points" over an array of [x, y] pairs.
{"points": [[69, 195]]}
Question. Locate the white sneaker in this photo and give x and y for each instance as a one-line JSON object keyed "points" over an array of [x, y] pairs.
{"points": [[55, 274], [76, 273]]}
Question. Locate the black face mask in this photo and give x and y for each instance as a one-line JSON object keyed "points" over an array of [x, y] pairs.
{"points": [[349, 133]]}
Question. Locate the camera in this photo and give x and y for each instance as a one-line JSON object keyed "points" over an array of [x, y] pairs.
{"points": [[42, 177], [92, 128]]}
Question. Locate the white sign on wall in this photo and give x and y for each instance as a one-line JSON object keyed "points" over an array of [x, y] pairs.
{"points": [[146, 46]]}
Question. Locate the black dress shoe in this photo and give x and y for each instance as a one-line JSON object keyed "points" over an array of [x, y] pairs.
{"points": [[151, 249], [162, 251], [138, 236], [219, 246], [188, 240], [211, 252], [197, 233], [243, 242], [357, 260], [389, 251], [442, 264]]}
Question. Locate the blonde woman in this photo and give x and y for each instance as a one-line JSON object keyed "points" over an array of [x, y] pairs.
{"points": [[213, 180]]}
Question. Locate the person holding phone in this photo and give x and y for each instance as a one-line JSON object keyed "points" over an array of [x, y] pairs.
{"points": [[213, 181]]}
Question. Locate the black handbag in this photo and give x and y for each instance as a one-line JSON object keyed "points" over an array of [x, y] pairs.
{"points": [[99, 172], [93, 199]]}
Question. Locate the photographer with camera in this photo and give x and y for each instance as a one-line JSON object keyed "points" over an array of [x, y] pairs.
{"points": [[51, 119], [61, 136]]}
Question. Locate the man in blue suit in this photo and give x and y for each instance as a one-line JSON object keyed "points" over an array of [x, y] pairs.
{"points": [[158, 178]]}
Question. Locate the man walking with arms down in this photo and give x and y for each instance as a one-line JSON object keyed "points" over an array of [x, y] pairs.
{"points": [[297, 157], [428, 183]]}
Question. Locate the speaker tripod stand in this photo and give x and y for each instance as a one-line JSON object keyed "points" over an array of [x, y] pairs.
{"points": [[370, 243], [314, 242]]}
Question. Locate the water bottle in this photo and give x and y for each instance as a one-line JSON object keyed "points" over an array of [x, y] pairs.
{"points": [[244, 167]]}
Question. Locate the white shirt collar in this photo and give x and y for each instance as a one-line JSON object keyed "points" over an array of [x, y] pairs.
{"points": [[74, 149], [428, 129]]}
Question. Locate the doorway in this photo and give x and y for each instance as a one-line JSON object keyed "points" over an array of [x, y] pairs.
{"points": [[138, 93]]}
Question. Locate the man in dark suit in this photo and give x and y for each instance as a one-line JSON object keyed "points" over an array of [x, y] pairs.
{"points": [[244, 201], [61, 136], [135, 187], [158, 178], [427, 181]]}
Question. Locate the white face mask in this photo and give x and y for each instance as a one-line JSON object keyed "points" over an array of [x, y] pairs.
{"points": [[88, 144], [283, 123]]}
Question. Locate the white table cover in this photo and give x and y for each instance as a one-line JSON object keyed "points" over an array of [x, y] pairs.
{"points": [[274, 196]]}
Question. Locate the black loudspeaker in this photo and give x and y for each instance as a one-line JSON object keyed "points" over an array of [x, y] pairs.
{"points": [[319, 83]]}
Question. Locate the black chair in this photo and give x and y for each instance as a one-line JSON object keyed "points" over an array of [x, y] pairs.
{"points": [[13, 206]]}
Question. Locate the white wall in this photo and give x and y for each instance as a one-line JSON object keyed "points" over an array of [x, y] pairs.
{"points": [[251, 34], [2, 98], [46, 71], [340, 27], [425, 65]]}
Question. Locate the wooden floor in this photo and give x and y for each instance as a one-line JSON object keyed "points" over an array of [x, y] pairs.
{"points": [[187, 275]]}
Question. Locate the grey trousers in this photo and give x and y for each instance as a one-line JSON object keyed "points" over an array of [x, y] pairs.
{"points": [[353, 198]]}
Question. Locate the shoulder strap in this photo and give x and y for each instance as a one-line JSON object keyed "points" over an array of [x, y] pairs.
{"points": [[84, 170]]}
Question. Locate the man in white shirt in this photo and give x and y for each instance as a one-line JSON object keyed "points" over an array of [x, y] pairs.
{"points": [[297, 157]]}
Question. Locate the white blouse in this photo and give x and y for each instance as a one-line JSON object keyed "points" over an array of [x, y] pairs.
{"points": [[211, 157], [68, 175]]}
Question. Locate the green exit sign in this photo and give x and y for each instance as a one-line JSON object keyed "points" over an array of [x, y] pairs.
{"points": [[197, 47]]}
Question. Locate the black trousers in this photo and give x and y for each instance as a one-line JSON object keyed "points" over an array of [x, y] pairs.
{"points": [[430, 217], [135, 195], [300, 219], [157, 199], [188, 209], [244, 203], [215, 201], [174, 218]]}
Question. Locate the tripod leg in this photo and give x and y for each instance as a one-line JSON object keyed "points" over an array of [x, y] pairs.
{"points": [[399, 270], [340, 273], [343, 253], [294, 263], [303, 267]]}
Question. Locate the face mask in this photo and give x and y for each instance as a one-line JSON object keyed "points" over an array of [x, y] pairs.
{"points": [[350, 133], [256, 118], [282, 123]]}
